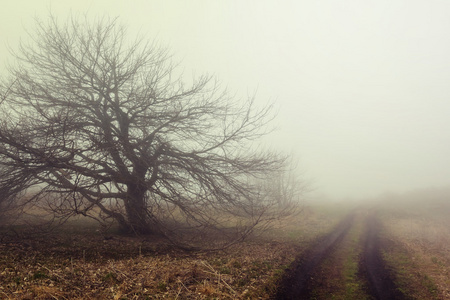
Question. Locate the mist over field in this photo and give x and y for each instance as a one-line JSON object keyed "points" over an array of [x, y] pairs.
{"points": [[361, 88], [224, 149]]}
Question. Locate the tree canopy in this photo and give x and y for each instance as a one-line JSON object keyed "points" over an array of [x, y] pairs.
{"points": [[105, 126]]}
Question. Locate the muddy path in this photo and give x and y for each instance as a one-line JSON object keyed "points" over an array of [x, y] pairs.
{"points": [[295, 282], [300, 278], [372, 265]]}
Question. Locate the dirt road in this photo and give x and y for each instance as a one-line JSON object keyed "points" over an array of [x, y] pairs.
{"points": [[304, 275]]}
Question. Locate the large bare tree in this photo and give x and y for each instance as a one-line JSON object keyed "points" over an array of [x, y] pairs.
{"points": [[105, 127]]}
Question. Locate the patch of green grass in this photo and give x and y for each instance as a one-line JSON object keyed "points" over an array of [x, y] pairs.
{"points": [[340, 270], [428, 283], [274, 281], [39, 275], [408, 279], [354, 287], [236, 264], [162, 286], [436, 261], [110, 277]]}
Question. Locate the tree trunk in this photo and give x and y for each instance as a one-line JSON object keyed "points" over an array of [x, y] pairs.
{"points": [[136, 209]]}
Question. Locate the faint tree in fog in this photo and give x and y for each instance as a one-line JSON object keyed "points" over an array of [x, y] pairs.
{"points": [[106, 128], [289, 188]]}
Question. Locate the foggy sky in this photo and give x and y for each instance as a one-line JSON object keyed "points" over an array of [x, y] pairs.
{"points": [[361, 87]]}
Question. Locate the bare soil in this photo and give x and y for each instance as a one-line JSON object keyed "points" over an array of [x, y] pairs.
{"points": [[301, 278]]}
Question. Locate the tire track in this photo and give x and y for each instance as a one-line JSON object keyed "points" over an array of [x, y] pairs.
{"points": [[295, 282], [381, 285]]}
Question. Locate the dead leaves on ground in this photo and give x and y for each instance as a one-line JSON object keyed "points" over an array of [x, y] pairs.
{"points": [[84, 267]]}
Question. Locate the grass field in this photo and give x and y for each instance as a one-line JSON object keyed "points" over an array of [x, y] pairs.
{"points": [[77, 262], [418, 230]]}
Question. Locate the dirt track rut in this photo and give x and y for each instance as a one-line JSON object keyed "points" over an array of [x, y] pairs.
{"points": [[297, 280], [381, 285]]}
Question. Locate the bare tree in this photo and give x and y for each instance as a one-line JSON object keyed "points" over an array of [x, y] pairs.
{"points": [[289, 189], [105, 127]]}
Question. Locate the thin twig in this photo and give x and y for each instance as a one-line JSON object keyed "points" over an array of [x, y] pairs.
{"points": [[5, 294], [220, 280], [51, 272], [179, 291]]}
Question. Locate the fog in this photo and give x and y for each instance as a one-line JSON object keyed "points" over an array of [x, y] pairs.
{"points": [[361, 87]]}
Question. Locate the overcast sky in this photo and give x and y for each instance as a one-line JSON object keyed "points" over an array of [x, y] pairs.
{"points": [[362, 87]]}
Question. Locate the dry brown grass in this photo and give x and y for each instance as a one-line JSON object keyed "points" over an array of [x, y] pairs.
{"points": [[422, 233], [77, 262], [104, 270]]}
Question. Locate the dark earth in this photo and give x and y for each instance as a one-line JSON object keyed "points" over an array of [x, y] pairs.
{"points": [[297, 281]]}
